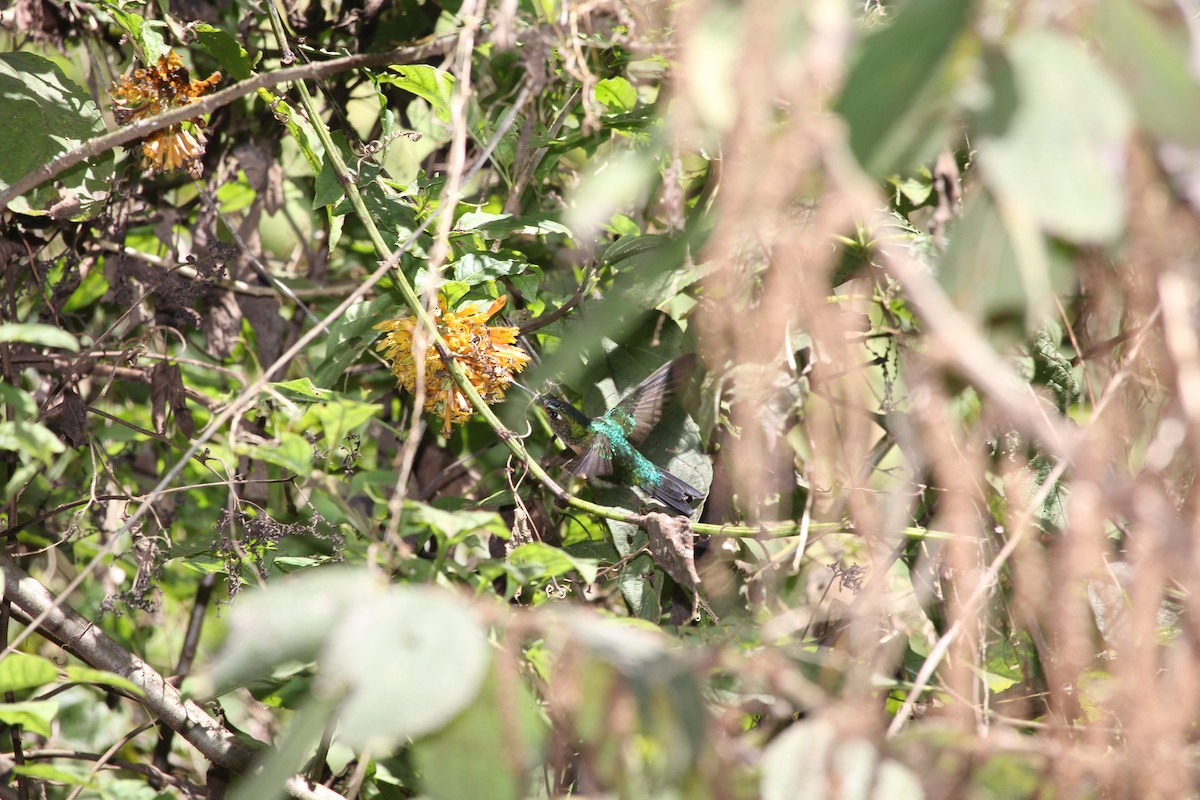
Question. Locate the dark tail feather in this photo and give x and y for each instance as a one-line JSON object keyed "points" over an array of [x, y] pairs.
{"points": [[675, 493]]}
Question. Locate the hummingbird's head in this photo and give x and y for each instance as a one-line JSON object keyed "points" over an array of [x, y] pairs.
{"points": [[565, 420]]}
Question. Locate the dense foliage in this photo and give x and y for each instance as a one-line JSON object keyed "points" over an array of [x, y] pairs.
{"points": [[282, 515]]}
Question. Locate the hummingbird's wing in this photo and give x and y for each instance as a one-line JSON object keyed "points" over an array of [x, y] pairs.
{"points": [[595, 461], [640, 410]]}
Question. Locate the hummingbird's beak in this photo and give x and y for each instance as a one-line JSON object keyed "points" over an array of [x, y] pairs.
{"points": [[526, 389]]}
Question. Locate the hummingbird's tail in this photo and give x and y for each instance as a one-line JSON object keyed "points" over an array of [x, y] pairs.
{"points": [[675, 493]]}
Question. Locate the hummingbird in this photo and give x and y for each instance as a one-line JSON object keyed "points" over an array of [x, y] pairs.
{"points": [[607, 446]]}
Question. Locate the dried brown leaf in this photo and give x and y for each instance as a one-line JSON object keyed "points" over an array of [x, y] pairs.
{"points": [[74, 418], [672, 548]]}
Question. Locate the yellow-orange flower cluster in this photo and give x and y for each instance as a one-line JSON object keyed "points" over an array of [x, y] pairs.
{"points": [[487, 355], [150, 91]]}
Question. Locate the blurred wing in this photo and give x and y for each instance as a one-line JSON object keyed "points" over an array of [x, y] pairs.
{"points": [[642, 408], [595, 461]]}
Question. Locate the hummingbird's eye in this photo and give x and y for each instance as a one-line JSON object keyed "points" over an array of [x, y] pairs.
{"points": [[550, 412]]}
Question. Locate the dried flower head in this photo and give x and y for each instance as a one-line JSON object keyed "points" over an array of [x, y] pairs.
{"points": [[152, 90], [486, 354]]}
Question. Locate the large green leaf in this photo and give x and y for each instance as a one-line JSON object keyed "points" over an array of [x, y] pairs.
{"points": [[23, 671], [1054, 151], [434, 85], [488, 750], [36, 333], [36, 716], [404, 659], [898, 93], [228, 51], [44, 114], [810, 760], [1152, 61]]}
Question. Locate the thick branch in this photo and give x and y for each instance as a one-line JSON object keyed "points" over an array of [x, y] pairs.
{"points": [[81, 638]]}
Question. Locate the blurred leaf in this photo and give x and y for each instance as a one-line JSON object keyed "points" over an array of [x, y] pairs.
{"points": [[501, 226], [452, 524], [32, 440], [53, 774], [897, 95], [23, 671], [414, 657], [35, 333], [101, 677], [337, 418], [35, 716], [809, 760], [1152, 61], [609, 186], [553, 561], [617, 94], [22, 403], [406, 660], [87, 293], [293, 453], [489, 750], [1057, 157]]}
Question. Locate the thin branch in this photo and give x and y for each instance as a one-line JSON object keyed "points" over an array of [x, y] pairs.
{"points": [[138, 130]]}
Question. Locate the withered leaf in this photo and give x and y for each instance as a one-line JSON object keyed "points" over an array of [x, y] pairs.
{"points": [[166, 393], [74, 418], [671, 547]]}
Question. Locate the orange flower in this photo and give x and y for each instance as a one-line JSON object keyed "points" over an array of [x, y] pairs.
{"points": [[152, 90], [487, 355]]}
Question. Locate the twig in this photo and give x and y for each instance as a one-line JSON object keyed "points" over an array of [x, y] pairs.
{"points": [[187, 655]]}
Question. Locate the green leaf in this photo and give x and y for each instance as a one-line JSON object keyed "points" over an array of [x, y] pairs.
{"points": [[102, 677], [337, 419], [501, 226], [488, 750], [553, 561], [36, 716], [91, 289], [350, 335], [32, 440], [228, 52], [481, 267], [45, 114], [22, 403], [1056, 155], [899, 90], [23, 671], [301, 390], [36, 333], [1152, 61], [810, 756], [145, 32], [430, 83], [53, 774], [452, 524], [293, 453], [617, 94], [405, 659]]}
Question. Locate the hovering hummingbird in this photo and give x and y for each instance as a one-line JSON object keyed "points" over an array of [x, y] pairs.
{"points": [[606, 446]]}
